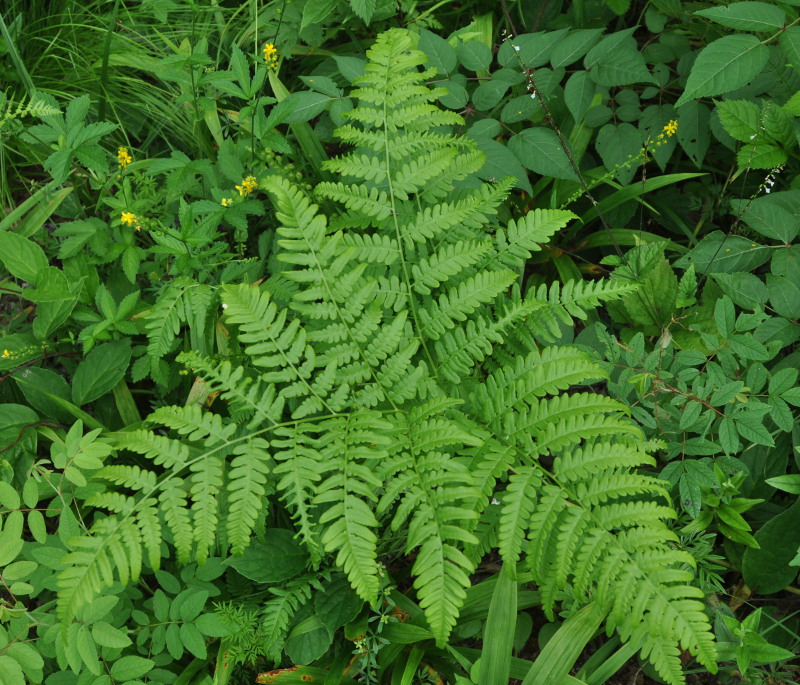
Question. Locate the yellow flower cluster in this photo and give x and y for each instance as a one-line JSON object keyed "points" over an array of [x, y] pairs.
{"points": [[6, 354], [130, 219], [226, 202], [270, 54], [671, 128], [123, 157], [249, 184]]}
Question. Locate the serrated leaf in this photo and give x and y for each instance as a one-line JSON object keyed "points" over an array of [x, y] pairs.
{"points": [[746, 16], [724, 65]]}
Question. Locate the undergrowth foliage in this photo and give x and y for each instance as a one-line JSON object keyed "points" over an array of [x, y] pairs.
{"points": [[392, 375]]}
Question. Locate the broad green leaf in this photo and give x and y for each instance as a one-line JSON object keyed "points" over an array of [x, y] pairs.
{"points": [[131, 667], [308, 641], [539, 150], [693, 130], [316, 12], [771, 220], [618, 146], [489, 93], [307, 104], [789, 40], [747, 16], [739, 118], [102, 369], [338, 605], [620, 68], [440, 53], [277, 560], [724, 65], [784, 296], [725, 317], [363, 8], [23, 258], [501, 163], [573, 47], [789, 483], [745, 289], [475, 55], [39, 385], [767, 570], [531, 49], [579, 94], [722, 253], [107, 635]]}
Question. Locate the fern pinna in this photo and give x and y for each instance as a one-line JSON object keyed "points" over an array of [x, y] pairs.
{"points": [[394, 386]]}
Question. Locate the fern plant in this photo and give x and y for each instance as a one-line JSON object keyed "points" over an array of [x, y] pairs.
{"points": [[394, 381]]}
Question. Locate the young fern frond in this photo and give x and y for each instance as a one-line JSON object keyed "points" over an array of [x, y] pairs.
{"points": [[397, 389]]}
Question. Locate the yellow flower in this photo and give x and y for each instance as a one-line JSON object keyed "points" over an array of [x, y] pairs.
{"points": [[226, 201], [128, 218], [671, 128], [270, 53], [249, 184], [123, 157], [6, 354]]}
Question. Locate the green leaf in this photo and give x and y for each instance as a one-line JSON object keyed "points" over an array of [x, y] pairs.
{"points": [[725, 317], [573, 47], [719, 252], [308, 641], [740, 119], [475, 55], [41, 387], [316, 12], [784, 296], [498, 634], [338, 605], [747, 16], [789, 483], [532, 49], [617, 143], [620, 68], [489, 93], [501, 163], [363, 8], [131, 667], [23, 258], [107, 635], [102, 369], [745, 289], [693, 130], [280, 559], [440, 53], [540, 151], [565, 646], [306, 105], [789, 41], [767, 570], [724, 65]]}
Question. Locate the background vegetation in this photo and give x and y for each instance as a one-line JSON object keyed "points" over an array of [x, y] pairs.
{"points": [[399, 341]]}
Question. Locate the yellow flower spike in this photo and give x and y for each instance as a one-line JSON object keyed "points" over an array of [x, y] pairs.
{"points": [[128, 218], [123, 157], [249, 184], [270, 53], [226, 201], [671, 128]]}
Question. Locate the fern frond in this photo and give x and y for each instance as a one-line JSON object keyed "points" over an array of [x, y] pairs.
{"points": [[461, 300], [206, 483], [247, 479]]}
